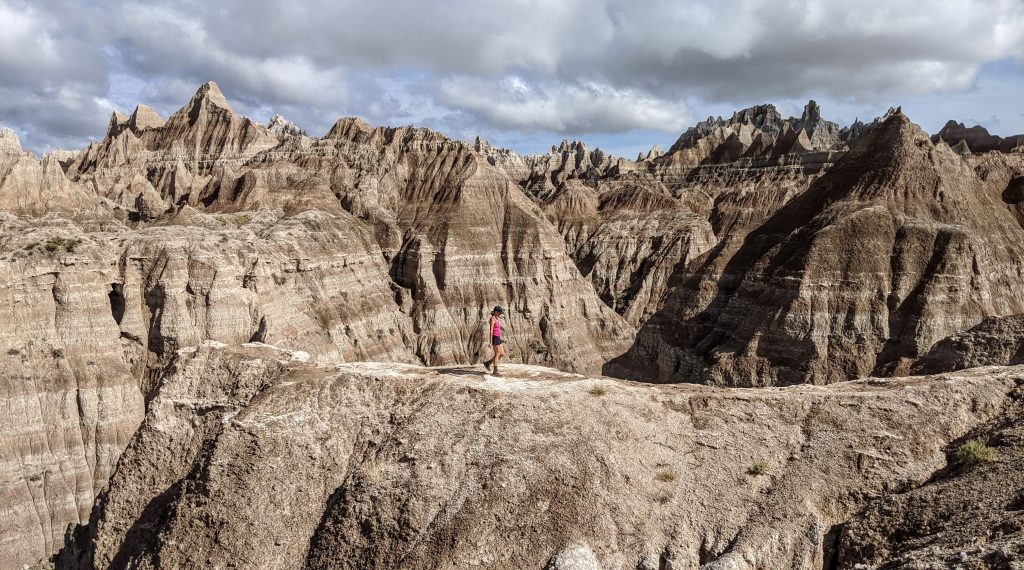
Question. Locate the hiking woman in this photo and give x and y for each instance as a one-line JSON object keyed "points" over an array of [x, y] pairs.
{"points": [[497, 339]]}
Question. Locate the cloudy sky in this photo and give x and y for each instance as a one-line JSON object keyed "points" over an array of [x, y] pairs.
{"points": [[620, 74]]}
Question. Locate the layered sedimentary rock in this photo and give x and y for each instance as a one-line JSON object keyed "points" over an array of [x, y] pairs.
{"points": [[203, 135], [455, 234], [758, 136], [460, 238], [628, 237], [758, 250], [976, 138], [367, 244], [94, 310], [995, 341], [251, 458], [542, 174], [898, 245], [35, 186], [969, 515], [69, 394]]}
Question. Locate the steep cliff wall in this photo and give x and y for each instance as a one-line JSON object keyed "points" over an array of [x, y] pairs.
{"points": [[898, 245]]}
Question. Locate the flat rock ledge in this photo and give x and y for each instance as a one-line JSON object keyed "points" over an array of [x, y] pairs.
{"points": [[251, 457]]}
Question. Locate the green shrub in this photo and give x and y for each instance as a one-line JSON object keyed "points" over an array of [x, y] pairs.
{"points": [[57, 353], [974, 451], [13, 352], [53, 244], [665, 476], [598, 390], [759, 468], [279, 279]]}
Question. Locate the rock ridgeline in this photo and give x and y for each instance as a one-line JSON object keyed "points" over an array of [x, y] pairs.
{"points": [[976, 139], [897, 246], [758, 135], [756, 251], [363, 245], [281, 126], [540, 175], [250, 457]]}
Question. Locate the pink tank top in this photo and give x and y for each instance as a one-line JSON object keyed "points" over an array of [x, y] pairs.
{"points": [[497, 329]]}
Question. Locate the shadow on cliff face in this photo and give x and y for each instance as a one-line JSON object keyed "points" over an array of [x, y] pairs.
{"points": [[969, 511], [798, 300], [143, 536], [685, 349]]}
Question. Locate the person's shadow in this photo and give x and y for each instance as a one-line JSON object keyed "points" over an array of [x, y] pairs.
{"points": [[461, 371]]}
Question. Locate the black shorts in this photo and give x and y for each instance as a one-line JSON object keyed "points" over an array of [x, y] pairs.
{"points": [[496, 340]]}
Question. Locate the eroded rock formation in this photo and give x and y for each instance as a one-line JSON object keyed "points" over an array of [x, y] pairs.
{"points": [[977, 138], [757, 251], [368, 244], [898, 245], [969, 515], [250, 457]]}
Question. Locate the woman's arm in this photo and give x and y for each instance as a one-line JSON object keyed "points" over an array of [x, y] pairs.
{"points": [[490, 331]]}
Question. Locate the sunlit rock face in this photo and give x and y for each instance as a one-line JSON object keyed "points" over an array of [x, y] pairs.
{"points": [[756, 251], [253, 457], [897, 246]]}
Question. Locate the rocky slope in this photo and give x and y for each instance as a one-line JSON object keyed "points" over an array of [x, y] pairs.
{"points": [[757, 251], [69, 388], [250, 457], [756, 137], [628, 236], [995, 341], [540, 175], [91, 308], [969, 515], [634, 227], [976, 138], [32, 186], [452, 236], [366, 244], [898, 245]]}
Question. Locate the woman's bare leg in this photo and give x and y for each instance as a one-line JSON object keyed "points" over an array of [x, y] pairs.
{"points": [[499, 352]]}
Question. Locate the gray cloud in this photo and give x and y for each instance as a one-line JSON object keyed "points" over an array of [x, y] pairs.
{"points": [[572, 67]]}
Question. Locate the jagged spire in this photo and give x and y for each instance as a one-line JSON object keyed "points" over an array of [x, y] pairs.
{"points": [[144, 117], [117, 120], [278, 124], [9, 140], [211, 93]]}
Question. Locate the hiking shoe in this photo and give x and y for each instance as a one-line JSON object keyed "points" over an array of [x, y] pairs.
{"points": [[487, 365]]}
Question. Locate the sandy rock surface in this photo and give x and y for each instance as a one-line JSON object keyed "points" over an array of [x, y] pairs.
{"points": [[248, 456]]}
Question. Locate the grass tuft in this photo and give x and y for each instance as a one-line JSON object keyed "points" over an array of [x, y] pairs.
{"points": [[665, 476], [759, 468], [974, 451]]}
